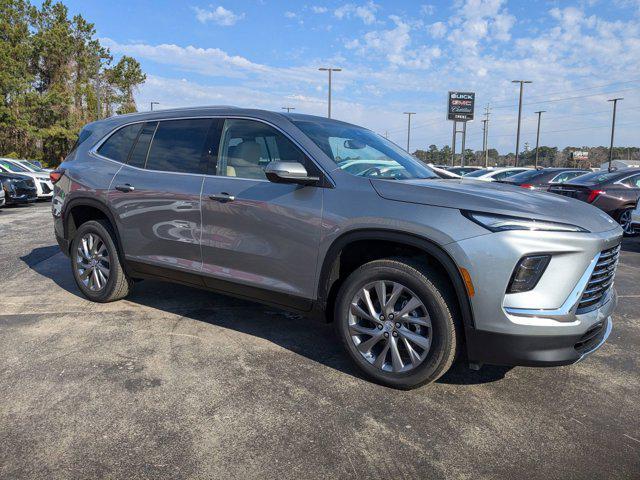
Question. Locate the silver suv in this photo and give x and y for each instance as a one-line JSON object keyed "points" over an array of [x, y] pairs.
{"points": [[412, 269]]}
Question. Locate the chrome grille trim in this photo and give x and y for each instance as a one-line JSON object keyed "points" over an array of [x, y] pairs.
{"points": [[600, 283]]}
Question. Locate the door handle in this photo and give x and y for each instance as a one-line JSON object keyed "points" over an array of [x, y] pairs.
{"points": [[222, 197], [125, 188]]}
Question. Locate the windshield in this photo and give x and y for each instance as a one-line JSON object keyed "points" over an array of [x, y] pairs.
{"points": [[31, 166], [362, 152], [478, 173], [12, 167], [595, 177]]}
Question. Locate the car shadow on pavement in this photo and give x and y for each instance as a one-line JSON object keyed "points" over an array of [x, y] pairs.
{"points": [[631, 244], [312, 339]]}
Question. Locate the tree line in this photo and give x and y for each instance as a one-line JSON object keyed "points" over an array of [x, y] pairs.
{"points": [[547, 157], [55, 77]]}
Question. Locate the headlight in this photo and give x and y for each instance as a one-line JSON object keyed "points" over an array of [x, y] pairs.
{"points": [[500, 223]]}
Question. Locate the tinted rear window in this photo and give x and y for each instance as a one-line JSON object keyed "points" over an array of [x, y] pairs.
{"points": [[178, 146], [527, 176], [594, 178], [478, 173], [118, 145]]}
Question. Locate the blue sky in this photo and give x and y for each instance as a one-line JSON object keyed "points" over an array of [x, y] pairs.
{"points": [[396, 56]]}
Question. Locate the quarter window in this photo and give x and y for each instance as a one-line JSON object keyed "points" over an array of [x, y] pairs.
{"points": [[248, 146], [178, 146], [118, 145]]}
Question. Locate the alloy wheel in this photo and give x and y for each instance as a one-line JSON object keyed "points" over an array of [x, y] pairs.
{"points": [[390, 326], [625, 222], [93, 264]]}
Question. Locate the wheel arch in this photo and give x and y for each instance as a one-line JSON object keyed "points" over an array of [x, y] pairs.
{"points": [[72, 218], [330, 274]]}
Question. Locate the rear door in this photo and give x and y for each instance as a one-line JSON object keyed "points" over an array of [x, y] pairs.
{"points": [[260, 237], [156, 195]]}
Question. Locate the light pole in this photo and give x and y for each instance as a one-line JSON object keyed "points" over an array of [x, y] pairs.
{"points": [[521, 82], [288, 109], [409, 127], [613, 128], [154, 103], [540, 112], [329, 69]]}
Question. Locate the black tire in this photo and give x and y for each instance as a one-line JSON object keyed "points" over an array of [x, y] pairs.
{"points": [[118, 284], [436, 295], [627, 233]]}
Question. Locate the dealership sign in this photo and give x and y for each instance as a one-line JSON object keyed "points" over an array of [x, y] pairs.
{"points": [[460, 106]]}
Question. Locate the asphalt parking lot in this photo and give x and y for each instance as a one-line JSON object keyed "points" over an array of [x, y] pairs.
{"points": [[179, 383]]}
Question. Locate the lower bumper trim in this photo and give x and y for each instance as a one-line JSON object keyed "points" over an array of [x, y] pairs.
{"points": [[529, 350]]}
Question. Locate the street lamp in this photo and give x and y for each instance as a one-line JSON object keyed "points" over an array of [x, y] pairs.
{"points": [[613, 128], [521, 82], [329, 69], [538, 135], [409, 127], [288, 109], [154, 103]]}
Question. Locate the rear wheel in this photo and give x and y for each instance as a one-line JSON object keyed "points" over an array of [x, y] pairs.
{"points": [[395, 319], [96, 263], [624, 219]]}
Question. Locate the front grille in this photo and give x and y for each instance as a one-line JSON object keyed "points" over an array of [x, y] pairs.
{"points": [[590, 339], [601, 281]]}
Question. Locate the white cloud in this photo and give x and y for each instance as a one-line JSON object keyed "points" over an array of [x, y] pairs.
{"points": [[290, 15], [317, 9], [437, 29], [396, 45], [219, 15], [365, 12], [427, 9], [480, 21]]}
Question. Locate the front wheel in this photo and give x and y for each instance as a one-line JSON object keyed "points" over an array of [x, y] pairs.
{"points": [[396, 320], [96, 263], [624, 219]]}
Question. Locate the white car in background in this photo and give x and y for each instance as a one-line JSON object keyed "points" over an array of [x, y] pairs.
{"points": [[2, 197], [44, 187], [33, 166], [494, 174]]}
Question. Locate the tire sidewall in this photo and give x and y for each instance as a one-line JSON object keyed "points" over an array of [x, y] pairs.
{"points": [[104, 234], [442, 325]]}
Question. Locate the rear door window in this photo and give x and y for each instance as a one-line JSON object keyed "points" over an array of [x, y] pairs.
{"points": [[633, 182], [118, 145], [178, 146]]}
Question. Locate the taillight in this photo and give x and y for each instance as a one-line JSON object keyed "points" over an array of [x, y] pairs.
{"points": [[593, 194], [56, 175], [527, 185]]}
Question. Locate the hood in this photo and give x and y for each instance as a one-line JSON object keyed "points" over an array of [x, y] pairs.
{"points": [[499, 198]]}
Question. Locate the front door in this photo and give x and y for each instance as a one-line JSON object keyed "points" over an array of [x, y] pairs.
{"points": [[257, 234]]}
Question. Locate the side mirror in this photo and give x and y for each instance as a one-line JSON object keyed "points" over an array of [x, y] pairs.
{"points": [[288, 172]]}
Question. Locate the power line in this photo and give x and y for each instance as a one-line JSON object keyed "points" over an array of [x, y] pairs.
{"points": [[572, 98]]}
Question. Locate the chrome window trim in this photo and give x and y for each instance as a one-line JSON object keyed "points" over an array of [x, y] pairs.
{"points": [[626, 178], [94, 150]]}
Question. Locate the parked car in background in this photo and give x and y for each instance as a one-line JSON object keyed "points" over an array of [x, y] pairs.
{"points": [[18, 189], [543, 178], [615, 192], [462, 171], [411, 269], [495, 174], [2, 197], [42, 181]]}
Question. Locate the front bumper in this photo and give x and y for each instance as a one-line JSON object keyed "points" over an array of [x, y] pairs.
{"points": [[537, 350], [544, 326]]}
